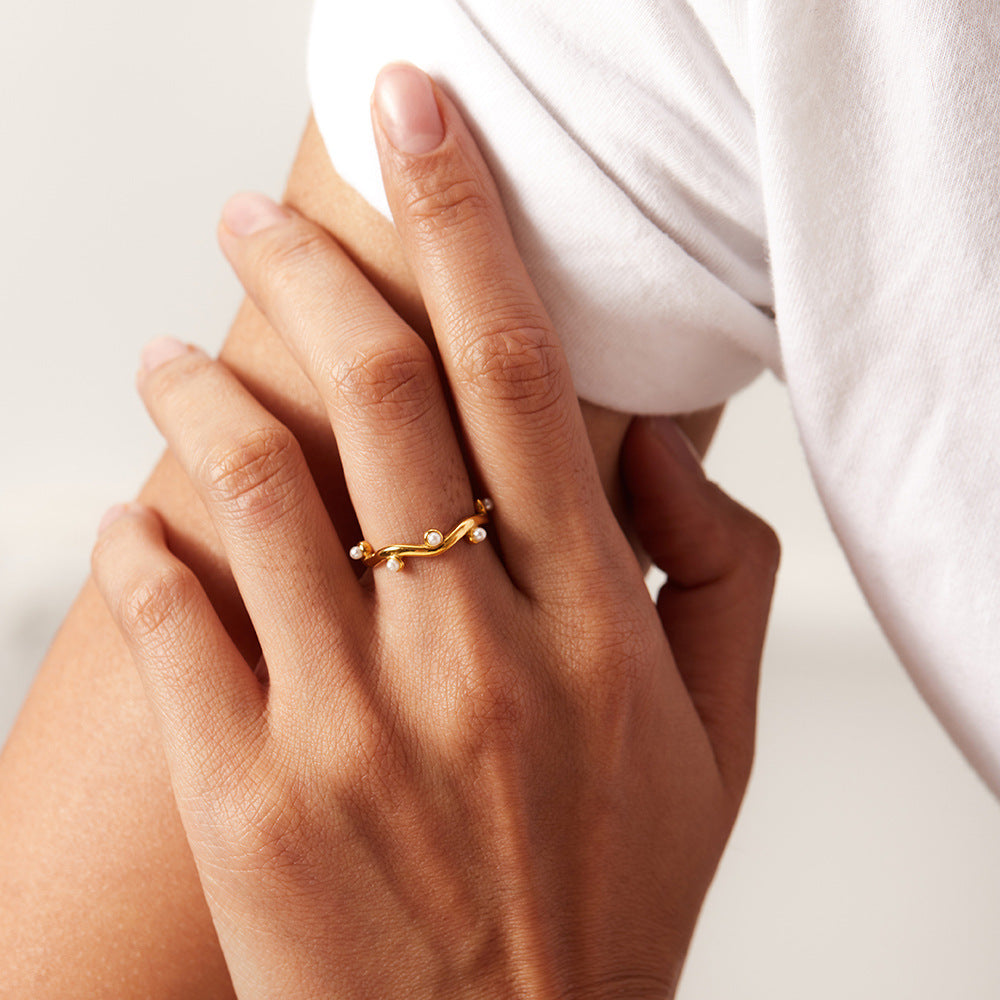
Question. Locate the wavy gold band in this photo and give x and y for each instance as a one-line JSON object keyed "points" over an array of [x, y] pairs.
{"points": [[435, 542]]}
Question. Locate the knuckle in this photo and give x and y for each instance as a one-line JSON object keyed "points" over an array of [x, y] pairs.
{"points": [[151, 608], [450, 203], [616, 658], [173, 378], [282, 257], [266, 824], [760, 543], [515, 363], [736, 538], [255, 478], [397, 378], [498, 711]]}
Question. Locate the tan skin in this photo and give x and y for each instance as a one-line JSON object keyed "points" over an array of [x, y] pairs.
{"points": [[101, 897], [501, 773]]}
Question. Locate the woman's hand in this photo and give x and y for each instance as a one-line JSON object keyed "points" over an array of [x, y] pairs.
{"points": [[498, 771]]}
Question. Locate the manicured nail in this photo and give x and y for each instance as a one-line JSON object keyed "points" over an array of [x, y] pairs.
{"points": [[111, 515], [249, 212], [407, 109], [669, 434], [159, 352]]}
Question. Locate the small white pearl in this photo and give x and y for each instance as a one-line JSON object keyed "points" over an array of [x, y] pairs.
{"points": [[357, 552], [395, 564], [488, 503], [478, 534], [434, 538]]}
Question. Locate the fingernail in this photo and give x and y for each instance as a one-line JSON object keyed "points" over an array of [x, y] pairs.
{"points": [[110, 516], [250, 212], [408, 110], [677, 443], [159, 352]]}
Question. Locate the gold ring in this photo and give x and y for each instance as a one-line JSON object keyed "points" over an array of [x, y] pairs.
{"points": [[435, 542]]}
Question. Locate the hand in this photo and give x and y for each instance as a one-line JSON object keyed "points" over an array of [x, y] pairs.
{"points": [[498, 771]]}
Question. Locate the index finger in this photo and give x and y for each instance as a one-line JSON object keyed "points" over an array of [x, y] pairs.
{"points": [[505, 367]]}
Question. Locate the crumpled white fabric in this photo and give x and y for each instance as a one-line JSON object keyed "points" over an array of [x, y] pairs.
{"points": [[676, 170]]}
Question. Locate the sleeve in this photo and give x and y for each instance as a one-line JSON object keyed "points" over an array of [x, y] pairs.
{"points": [[879, 129], [628, 171]]}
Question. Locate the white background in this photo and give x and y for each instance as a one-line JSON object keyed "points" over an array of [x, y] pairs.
{"points": [[865, 863]]}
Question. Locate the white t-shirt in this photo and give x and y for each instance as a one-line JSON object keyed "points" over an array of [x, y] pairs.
{"points": [[677, 172]]}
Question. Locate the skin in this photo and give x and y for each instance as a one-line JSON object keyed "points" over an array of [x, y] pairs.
{"points": [[491, 774], [101, 896]]}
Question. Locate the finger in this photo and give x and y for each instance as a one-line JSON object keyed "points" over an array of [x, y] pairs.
{"points": [[402, 462], [288, 563], [505, 366], [202, 691], [721, 562]]}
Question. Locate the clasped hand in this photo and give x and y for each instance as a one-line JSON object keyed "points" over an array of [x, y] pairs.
{"points": [[502, 771]]}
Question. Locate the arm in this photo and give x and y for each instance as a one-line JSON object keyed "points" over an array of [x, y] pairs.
{"points": [[100, 894]]}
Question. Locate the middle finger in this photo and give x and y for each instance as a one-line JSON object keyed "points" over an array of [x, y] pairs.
{"points": [[402, 462]]}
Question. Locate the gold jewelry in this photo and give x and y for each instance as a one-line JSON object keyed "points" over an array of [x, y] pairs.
{"points": [[435, 542]]}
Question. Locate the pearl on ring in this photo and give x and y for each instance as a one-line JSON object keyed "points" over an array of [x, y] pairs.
{"points": [[435, 542]]}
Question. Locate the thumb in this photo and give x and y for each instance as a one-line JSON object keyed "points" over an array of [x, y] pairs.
{"points": [[721, 561]]}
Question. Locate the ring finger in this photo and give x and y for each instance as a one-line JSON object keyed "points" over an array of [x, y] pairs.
{"points": [[250, 473]]}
